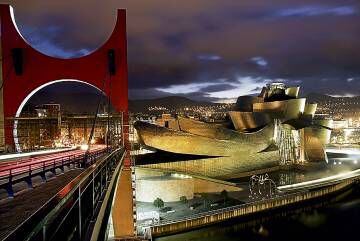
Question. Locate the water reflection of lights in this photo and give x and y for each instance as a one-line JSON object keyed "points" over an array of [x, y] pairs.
{"points": [[182, 176], [337, 177], [345, 161], [141, 151], [84, 147]]}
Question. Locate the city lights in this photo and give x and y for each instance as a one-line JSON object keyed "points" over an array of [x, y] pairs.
{"points": [[179, 120]]}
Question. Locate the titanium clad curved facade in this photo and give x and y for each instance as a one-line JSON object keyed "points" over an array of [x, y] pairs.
{"points": [[275, 128], [202, 141], [310, 109], [221, 133], [245, 103], [292, 91], [314, 150], [285, 109], [323, 134], [247, 121]]}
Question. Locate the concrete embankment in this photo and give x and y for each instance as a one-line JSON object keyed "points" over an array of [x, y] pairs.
{"points": [[221, 215]]}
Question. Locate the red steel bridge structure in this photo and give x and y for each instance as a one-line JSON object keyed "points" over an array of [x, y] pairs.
{"points": [[25, 71]]}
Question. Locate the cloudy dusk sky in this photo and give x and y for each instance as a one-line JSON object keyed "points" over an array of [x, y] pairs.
{"points": [[209, 49]]}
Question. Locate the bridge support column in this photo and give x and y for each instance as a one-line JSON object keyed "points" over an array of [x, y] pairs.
{"points": [[2, 119], [43, 175], [28, 180], [10, 190]]}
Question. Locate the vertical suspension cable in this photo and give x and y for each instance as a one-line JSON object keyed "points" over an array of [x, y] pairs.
{"points": [[95, 118], [108, 115]]}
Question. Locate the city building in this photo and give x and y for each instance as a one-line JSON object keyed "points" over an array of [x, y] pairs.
{"points": [[271, 129], [46, 126]]}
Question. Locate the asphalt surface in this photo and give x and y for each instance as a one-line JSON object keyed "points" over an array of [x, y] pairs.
{"points": [[13, 211]]}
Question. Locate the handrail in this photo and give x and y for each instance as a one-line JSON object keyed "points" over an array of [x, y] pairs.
{"points": [[30, 229], [11, 174], [99, 230], [47, 160]]}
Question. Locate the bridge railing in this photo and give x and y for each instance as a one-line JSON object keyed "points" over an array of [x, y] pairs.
{"points": [[26, 171], [72, 212]]}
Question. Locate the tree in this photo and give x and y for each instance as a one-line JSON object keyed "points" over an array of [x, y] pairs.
{"points": [[183, 199], [224, 194], [159, 203]]}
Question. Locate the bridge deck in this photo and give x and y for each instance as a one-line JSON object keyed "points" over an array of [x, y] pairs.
{"points": [[16, 210], [12, 172]]}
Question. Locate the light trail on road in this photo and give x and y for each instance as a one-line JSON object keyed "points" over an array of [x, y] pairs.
{"points": [[33, 153], [22, 165]]}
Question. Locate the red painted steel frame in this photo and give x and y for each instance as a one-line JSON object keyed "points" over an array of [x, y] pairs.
{"points": [[39, 69]]}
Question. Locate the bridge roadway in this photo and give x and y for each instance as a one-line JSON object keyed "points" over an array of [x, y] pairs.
{"points": [[70, 214], [15, 210], [13, 156], [24, 169], [18, 213], [33, 159]]}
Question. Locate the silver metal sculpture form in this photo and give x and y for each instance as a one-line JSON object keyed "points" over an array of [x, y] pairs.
{"points": [[262, 187]]}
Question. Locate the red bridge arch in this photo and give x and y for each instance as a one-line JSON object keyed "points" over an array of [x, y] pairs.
{"points": [[108, 74]]}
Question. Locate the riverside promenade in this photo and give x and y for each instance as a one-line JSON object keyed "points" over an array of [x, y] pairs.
{"points": [[289, 195]]}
